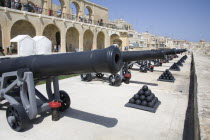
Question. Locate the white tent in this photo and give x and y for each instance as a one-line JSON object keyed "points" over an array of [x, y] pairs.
{"points": [[42, 45], [25, 45]]}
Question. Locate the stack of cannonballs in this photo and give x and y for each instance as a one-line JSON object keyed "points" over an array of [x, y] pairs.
{"points": [[144, 99], [175, 67], [166, 76], [179, 63], [183, 59]]}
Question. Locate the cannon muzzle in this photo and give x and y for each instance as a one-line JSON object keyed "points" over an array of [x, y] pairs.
{"points": [[105, 60], [142, 55]]}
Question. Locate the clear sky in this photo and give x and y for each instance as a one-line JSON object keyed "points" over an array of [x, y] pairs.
{"points": [[180, 19]]}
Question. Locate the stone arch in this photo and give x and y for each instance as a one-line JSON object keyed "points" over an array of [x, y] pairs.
{"points": [[72, 39], [88, 40], [58, 9], [23, 27], [88, 12], [52, 32], [75, 5], [115, 39], [100, 40]]}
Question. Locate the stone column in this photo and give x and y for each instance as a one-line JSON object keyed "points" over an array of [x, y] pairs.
{"points": [[6, 36], [63, 41], [66, 9], [81, 42], [107, 39], [94, 40], [46, 6]]}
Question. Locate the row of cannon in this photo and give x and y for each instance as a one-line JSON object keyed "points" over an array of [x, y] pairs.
{"points": [[19, 76]]}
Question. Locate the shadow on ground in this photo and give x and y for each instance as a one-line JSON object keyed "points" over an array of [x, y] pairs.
{"points": [[90, 117], [144, 83]]}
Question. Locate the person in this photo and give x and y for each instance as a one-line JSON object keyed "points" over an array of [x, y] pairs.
{"points": [[8, 3], [55, 48], [12, 4], [36, 8], [40, 10], [50, 12]]}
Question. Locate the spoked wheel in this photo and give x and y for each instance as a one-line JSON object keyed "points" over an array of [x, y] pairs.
{"points": [[86, 77], [99, 75], [66, 101], [17, 118], [115, 80]]}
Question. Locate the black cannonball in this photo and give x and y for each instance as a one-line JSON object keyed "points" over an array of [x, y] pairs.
{"points": [[141, 92], [138, 102], [167, 78], [132, 101], [148, 92], [144, 103], [136, 96], [151, 104], [145, 88], [142, 97], [160, 77], [149, 98]]}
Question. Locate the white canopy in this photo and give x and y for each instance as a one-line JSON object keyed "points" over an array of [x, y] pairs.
{"points": [[25, 45], [42, 45]]}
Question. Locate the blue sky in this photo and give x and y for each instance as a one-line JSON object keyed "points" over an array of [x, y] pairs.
{"points": [[180, 19]]}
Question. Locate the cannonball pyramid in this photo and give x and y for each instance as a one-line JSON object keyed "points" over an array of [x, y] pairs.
{"points": [[175, 67], [166, 76], [179, 63], [144, 100]]}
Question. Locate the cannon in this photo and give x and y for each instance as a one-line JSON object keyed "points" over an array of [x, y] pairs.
{"points": [[18, 77], [125, 74]]}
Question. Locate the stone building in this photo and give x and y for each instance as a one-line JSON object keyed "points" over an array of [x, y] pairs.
{"points": [[69, 31]]}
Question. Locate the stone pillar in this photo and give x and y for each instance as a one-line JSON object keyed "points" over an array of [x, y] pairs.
{"points": [[6, 36], [81, 42], [66, 9], [81, 10], [46, 6], [94, 40], [63, 42], [107, 40]]}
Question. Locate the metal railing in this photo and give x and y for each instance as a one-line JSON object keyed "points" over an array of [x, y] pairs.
{"points": [[28, 7]]}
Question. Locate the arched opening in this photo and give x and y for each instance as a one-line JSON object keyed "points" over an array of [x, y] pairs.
{"points": [[72, 40], [74, 10], [53, 33], [22, 27], [88, 15], [57, 8], [115, 39], [100, 40], [88, 40]]}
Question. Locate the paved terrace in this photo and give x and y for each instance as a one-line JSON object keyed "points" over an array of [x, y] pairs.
{"points": [[98, 112]]}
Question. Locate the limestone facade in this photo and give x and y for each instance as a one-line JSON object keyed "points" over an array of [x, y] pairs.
{"points": [[67, 33]]}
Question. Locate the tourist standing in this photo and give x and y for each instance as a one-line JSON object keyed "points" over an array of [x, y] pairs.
{"points": [[55, 48], [12, 4]]}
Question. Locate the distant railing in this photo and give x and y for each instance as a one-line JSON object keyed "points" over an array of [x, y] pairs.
{"points": [[28, 7]]}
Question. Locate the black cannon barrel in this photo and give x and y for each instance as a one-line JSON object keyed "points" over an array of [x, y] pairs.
{"points": [[169, 51], [181, 51], [104, 60], [129, 56]]}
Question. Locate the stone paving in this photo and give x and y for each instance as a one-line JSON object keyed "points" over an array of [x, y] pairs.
{"points": [[97, 110], [203, 93]]}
